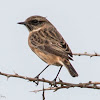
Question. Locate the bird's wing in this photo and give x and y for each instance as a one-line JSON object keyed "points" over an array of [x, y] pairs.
{"points": [[49, 40]]}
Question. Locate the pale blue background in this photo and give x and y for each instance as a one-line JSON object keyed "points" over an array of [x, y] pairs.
{"points": [[79, 23]]}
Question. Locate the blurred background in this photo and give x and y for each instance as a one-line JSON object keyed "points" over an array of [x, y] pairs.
{"points": [[79, 23]]}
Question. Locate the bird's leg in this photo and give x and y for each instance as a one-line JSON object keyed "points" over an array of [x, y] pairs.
{"points": [[42, 71], [39, 74], [57, 76]]}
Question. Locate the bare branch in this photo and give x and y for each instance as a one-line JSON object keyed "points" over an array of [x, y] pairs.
{"points": [[86, 54], [49, 88], [81, 85], [59, 84]]}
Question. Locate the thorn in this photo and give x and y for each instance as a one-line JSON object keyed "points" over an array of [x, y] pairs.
{"points": [[95, 54], [15, 73], [90, 82], [43, 79], [60, 81], [8, 76]]}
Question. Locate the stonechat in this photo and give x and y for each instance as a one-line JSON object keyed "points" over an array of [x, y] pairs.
{"points": [[48, 44]]}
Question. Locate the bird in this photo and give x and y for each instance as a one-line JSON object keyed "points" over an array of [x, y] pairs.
{"points": [[48, 44]]}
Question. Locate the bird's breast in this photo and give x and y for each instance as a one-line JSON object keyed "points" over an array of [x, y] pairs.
{"points": [[50, 59]]}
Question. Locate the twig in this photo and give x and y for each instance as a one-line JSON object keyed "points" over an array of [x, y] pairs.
{"points": [[49, 88], [86, 54], [62, 87], [60, 84], [43, 93]]}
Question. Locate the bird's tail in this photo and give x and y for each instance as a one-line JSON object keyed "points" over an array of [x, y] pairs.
{"points": [[70, 68]]}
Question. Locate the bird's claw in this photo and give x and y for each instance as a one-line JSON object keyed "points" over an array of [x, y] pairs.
{"points": [[37, 81], [54, 82]]}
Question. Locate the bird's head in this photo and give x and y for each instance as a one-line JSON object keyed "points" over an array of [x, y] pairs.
{"points": [[35, 22]]}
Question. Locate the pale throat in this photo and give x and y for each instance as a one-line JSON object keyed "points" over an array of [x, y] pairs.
{"points": [[35, 30]]}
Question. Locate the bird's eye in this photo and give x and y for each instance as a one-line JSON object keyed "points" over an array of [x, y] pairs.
{"points": [[34, 22]]}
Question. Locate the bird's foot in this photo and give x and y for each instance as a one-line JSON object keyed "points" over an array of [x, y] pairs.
{"points": [[54, 82], [37, 81]]}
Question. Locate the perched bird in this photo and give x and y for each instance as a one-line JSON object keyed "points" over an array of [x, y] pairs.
{"points": [[48, 44]]}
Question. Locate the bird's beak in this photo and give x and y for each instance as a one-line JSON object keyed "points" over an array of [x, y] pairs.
{"points": [[23, 23]]}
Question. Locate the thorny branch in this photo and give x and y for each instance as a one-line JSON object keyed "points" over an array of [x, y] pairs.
{"points": [[86, 54], [60, 84]]}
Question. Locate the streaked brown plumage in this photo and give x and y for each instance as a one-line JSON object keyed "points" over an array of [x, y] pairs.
{"points": [[48, 44]]}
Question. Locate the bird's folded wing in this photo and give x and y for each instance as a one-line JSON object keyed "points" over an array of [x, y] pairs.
{"points": [[50, 41]]}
